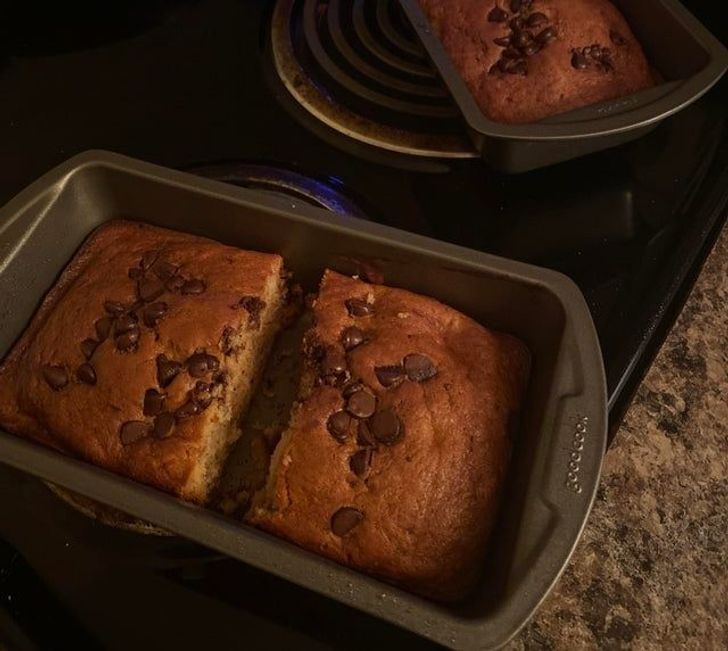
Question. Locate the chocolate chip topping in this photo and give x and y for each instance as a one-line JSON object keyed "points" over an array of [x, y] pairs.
{"points": [[103, 327], [153, 313], [546, 36], [579, 61], [167, 370], [133, 431], [360, 462], [419, 367], [359, 307], [175, 283], [200, 364], [364, 436], [86, 374], [55, 376], [497, 15], [592, 56], [253, 306], [389, 376], [187, 410], [114, 308], [386, 427], [226, 344], [361, 404], [352, 337], [193, 287], [351, 388], [202, 394], [503, 41], [125, 323], [338, 425], [148, 259], [153, 402], [516, 6], [536, 19], [150, 289], [88, 347], [164, 270], [163, 426], [128, 341], [344, 520]]}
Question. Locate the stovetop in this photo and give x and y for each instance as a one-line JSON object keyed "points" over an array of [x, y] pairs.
{"points": [[192, 84]]}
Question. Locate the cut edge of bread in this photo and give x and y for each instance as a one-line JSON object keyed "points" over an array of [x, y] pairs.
{"points": [[244, 369]]}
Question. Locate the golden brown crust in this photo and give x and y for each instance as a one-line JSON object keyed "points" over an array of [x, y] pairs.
{"points": [[85, 420], [552, 84], [429, 500]]}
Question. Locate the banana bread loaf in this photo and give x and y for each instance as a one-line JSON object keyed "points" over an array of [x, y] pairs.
{"points": [[144, 354], [395, 455], [525, 60]]}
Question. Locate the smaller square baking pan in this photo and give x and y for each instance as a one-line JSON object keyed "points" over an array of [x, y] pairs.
{"points": [[686, 56], [557, 453]]}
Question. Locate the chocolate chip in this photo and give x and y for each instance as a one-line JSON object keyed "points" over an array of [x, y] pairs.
{"points": [[516, 23], [338, 425], [532, 48], [55, 376], [360, 462], [253, 306], [114, 308], [351, 388], [135, 273], [150, 289], [103, 327], [152, 313], [163, 426], [148, 259], [518, 68], [125, 323], [516, 6], [546, 36], [344, 520], [359, 307], [579, 61], [187, 410], [175, 283], [225, 344], [164, 270], [364, 436], [167, 370], [361, 404], [521, 39], [419, 367], [133, 431], [86, 374], [497, 15], [503, 41], [193, 287], [616, 37], [386, 427], [88, 346], [202, 394], [153, 402], [200, 364], [536, 19], [333, 368], [511, 53], [352, 337], [389, 376], [127, 341]]}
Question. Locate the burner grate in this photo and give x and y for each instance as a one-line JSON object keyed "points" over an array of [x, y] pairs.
{"points": [[358, 66]]}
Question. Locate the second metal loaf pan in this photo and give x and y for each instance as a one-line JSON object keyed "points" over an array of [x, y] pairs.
{"points": [[558, 453], [686, 55]]}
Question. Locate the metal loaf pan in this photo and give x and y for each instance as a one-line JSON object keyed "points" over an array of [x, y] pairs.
{"points": [[687, 57], [558, 452]]}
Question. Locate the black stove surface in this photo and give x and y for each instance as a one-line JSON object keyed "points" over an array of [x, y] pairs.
{"points": [[191, 85]]}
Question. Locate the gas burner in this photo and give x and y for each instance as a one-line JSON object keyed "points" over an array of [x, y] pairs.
{"points": [[357, 66], [283, 182]]}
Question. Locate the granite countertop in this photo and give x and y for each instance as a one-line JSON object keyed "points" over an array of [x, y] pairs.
{"points": [[651, 570]]}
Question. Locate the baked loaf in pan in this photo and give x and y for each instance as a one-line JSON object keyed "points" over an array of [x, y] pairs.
{"points": [[144, 354], [525, 60], [395, 455]]}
